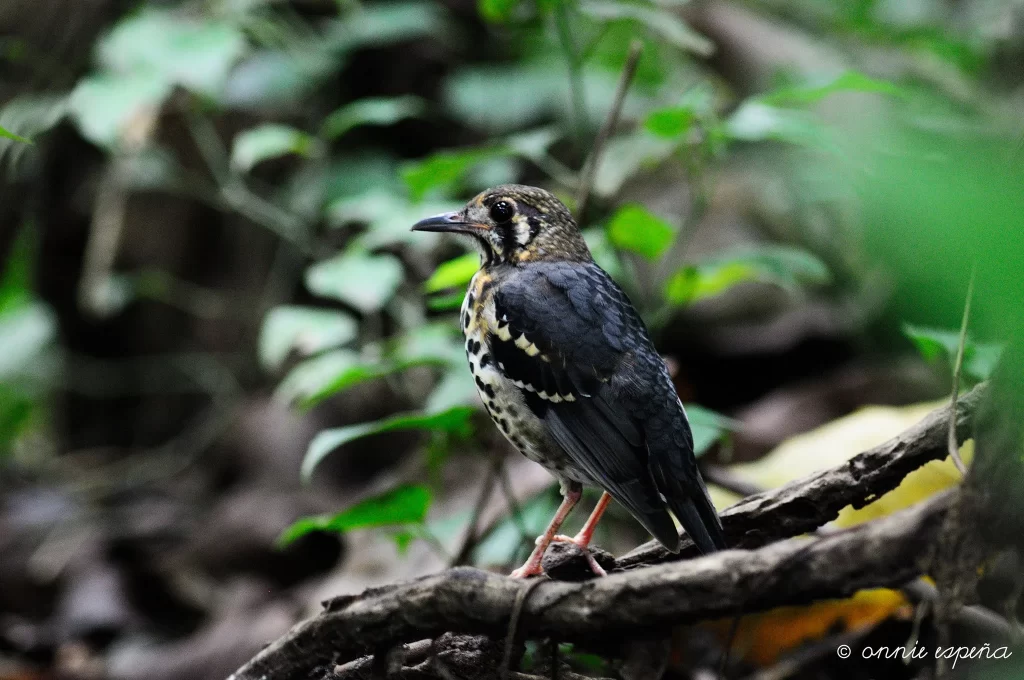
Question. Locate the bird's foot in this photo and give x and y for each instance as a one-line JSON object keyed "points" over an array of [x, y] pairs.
{"points": [[531, 568], [526, 571], [583, 543]]}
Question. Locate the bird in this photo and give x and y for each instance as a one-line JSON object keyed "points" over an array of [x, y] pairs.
{"points": [[565, 367]]}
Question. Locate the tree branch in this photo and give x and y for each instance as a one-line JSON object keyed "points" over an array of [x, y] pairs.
{"points": [[628, 604], [805, 504], [887, 552]]}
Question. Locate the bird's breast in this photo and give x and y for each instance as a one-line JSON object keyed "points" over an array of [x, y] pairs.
{"points": [[502, 399]]}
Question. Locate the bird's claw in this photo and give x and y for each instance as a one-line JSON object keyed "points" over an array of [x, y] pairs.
{"points": [[583, 545], [527, 570]]}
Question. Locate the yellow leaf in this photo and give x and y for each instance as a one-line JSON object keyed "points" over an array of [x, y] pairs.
{"points": [[762, 638], [832, 444]]}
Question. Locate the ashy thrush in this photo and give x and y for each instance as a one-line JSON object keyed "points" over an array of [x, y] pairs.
{"points": [[566, 369]]}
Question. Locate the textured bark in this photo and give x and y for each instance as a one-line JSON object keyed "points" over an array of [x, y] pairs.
{"points": [[888, 552]]}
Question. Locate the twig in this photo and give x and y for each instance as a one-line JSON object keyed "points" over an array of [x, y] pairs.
{"points": [[920, 611], [513, 625], [358, 668], [977, 617], [233, 193], [513, 504], [579, 101], [589, 171], [472, 531], [101, 249], [954, 447], [884, 553], [719, 475]]}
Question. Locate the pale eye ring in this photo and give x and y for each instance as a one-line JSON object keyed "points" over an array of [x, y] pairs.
{"points": [[502, 211]]}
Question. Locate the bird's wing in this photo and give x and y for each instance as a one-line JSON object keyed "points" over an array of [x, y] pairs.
{"points": [[570, 339]]}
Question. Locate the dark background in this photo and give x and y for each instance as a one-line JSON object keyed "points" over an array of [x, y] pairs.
{"points": [[206, 262]]}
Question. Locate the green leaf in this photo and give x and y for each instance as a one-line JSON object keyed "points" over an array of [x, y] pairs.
{"points": [[454, 420], [933, 343], [268, 141], [318, 378], [173, 48], [7, 134], [16, 279], [603, 252], [983, 360], [381, 24], [389, 217], [25, 117], [457, 388], [309, 379], [582, 660], [371, 111], [104, 106], [501, 544], [635, 229], [271, 80], [346, 377], [529, 92], [755, 121], [306, 329], [439, 343], [496, 11], [455, 273], [663, 23], [670, 122], [406, 504], [783, 266], [16, 415], [693, 283], [533, 144], [850, 81], [445, 303], [625, 156], [403, 538], [708, 427], [980, 359], [366, 282], [444, 169], [25, 331]]}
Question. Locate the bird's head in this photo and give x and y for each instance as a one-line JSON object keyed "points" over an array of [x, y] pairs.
{"points": [[514, 224]]}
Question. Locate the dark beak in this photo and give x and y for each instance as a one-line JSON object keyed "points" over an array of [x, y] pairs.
{"points": [[450, 222]]}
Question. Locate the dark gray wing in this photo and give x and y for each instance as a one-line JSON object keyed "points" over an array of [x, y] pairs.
{"points": [[580, 353]]}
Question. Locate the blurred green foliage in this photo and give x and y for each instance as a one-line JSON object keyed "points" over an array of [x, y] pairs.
{"points": [[979, 360], [932, 179], [28, 331], [402, 506], [7, 134]]}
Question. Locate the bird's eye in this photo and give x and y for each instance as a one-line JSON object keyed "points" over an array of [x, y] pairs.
{"points": [[502, 211]]}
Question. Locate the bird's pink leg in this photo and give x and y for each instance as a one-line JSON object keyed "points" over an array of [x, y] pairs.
{"points": [[582, 539], [532, 565]]}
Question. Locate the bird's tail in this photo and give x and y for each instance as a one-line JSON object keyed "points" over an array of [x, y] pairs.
{"points": [[699, 518], [688, 499]]}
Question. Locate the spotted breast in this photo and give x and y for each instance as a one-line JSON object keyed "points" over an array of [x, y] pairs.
{"points": [[503, 398]]}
